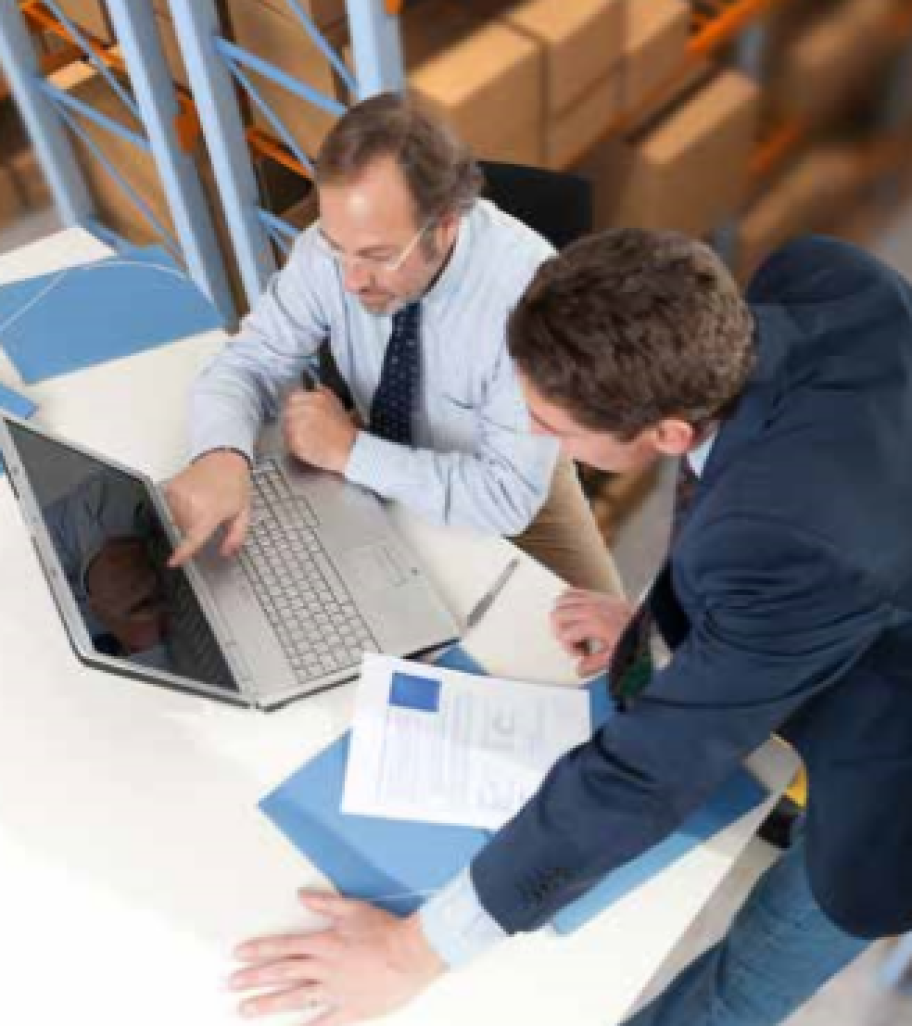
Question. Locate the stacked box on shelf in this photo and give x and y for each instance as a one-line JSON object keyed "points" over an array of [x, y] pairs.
{"points": [[480, 75], [830, 61], [22, 185], [303, 213], [10, 201], [270, 30], [805, 198], [115, 209], [686, 168], [91, 16], [602, 58]]}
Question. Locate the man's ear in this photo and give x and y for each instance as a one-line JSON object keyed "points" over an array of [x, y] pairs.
{"points": [[674, 437], [449, 224]]}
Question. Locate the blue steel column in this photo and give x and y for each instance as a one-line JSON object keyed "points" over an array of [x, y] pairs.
{"points": [[197, 26], [19, 62], [137, 35], [376, 47]]}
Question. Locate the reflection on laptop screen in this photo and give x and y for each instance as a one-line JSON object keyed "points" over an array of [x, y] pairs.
{"points": [[113, 551]]}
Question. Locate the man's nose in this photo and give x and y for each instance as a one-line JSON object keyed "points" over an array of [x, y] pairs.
{"points": [[357, 276]]}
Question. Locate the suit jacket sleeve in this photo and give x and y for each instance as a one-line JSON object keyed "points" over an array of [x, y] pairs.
{"points": [[776, 617]]}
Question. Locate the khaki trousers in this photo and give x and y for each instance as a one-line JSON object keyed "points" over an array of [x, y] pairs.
{"points": [[565, 537]]}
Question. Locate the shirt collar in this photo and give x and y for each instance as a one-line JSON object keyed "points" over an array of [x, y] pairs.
{"points": [[698, 457], [456, 266]]}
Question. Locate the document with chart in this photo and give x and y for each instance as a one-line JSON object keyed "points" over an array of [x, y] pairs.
{"points": [[440, 746]]}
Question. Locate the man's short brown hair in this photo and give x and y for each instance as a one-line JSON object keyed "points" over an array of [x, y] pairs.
{"points": [[627, 328], [439, 169]]}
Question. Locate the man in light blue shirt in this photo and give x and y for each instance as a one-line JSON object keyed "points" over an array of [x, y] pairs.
{"points": [[409, 278]]}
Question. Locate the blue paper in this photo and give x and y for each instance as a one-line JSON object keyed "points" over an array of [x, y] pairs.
{"points": [[13, 402], [104, 310], [398, 864]]}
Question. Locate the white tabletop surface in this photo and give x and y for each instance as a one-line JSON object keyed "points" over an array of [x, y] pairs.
{"points": [[132, 853]]}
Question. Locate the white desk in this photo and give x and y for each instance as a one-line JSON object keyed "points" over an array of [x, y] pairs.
{"points": [[132, 853]]}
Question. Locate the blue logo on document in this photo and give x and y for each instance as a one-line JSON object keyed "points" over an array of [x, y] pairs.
{"points": [[419, 693]]}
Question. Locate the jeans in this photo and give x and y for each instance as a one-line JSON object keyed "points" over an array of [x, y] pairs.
{"points": [[779, 951]]}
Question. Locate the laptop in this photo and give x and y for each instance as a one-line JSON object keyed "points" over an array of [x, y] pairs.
{"points": [[323, 576]]}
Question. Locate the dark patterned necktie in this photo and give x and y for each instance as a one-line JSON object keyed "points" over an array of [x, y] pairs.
{"points": [[396, 397], [630, 669]]}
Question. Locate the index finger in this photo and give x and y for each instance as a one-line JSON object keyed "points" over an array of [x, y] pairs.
{"points": [[191, 543]]}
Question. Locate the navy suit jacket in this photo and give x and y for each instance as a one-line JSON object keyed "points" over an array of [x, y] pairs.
{"points": [[787, 601]]}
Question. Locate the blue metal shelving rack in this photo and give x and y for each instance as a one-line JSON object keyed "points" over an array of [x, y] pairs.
{"points": [[215, 65], [47, 111]]}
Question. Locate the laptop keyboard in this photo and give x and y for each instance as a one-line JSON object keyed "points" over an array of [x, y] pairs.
{"points": [[305, 600]]}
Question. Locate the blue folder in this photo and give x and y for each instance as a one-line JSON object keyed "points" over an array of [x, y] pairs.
{"points": [[13, 402], [104, 310], [18, 405], [398, 864]]}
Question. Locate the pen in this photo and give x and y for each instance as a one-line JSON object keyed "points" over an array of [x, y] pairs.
{"points": [[487, 600]]}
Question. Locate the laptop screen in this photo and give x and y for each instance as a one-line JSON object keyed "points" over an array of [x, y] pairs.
{"points": [[113, 550]]}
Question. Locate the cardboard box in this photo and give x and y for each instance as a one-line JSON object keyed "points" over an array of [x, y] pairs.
{"points": [[171, 50], [483, 77], [687, 170], [805, 199], [91, 15], [580, 41], [831, 61], [323, 13], [113, 206], [270, 31], [11, 204], [32, 188], [657, 50], [303, 213], [653, 50]]}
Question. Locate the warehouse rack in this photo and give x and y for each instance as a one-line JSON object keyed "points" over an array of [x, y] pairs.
{"points": [[49, 111], [215, 64]]}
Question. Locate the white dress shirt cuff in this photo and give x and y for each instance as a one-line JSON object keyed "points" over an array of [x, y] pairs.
{"points": [[238, 436], [456, 925], [377, 464]]}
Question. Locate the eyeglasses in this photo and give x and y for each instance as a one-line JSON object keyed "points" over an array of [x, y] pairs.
{"points": [[386, 265]]}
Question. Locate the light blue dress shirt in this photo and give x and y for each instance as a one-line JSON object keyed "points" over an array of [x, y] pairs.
{"points": [[454, 921], [475, 461]]}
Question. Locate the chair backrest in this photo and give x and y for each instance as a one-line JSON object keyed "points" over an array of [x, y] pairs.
{"points": [[556, 204]]}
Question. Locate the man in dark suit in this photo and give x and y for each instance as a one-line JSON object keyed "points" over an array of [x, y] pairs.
{"points": [[786, 603]]}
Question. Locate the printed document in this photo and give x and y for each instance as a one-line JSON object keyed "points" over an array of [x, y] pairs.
{"points": [[440, 746]]}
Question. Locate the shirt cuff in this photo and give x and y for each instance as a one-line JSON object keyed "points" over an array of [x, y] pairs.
{"points": [[376, 462], [456, 925], [235, 437]]}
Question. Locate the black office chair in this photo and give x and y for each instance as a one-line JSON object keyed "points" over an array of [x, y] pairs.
{"points": [[556, 204]]}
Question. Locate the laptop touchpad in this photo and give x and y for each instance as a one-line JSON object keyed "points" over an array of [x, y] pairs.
{"points": [[373, 567]]}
